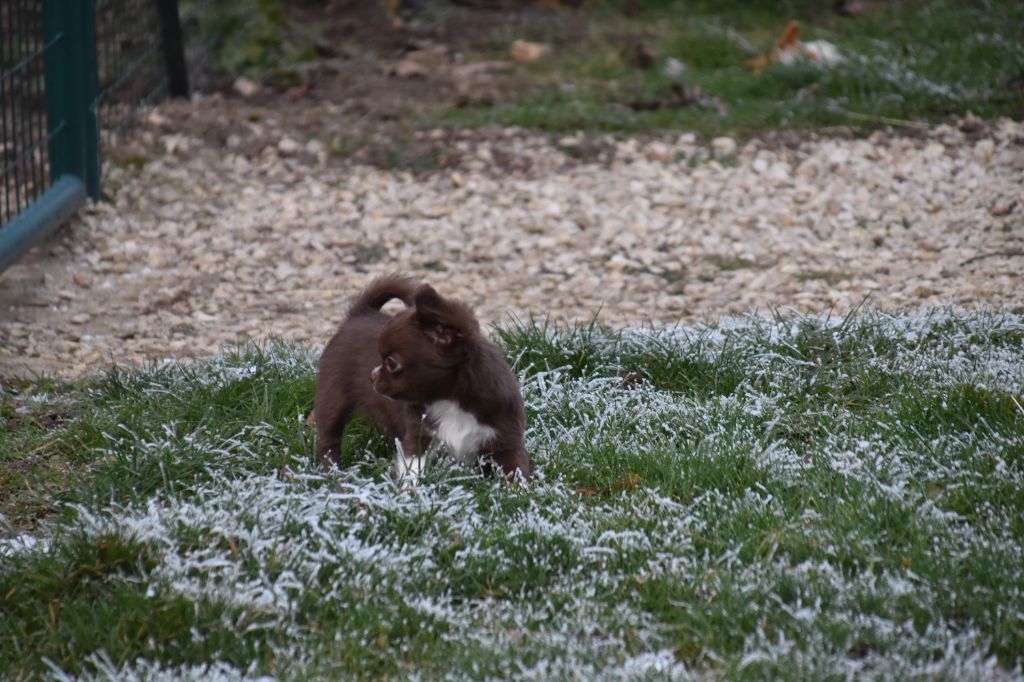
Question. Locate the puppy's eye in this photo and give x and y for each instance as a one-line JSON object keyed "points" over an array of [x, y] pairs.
{"points": [[390, 364]]}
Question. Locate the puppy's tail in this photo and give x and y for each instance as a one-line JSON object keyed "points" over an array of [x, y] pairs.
{"points": [[382, 290]]}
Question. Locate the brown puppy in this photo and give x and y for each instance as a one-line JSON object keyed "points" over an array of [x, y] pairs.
{"points": [[425, 371]]}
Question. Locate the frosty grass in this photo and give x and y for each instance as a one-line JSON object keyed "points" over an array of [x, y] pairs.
{"points": [[786, 498]]}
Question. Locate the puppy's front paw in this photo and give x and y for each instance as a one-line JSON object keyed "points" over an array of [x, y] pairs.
{"points": [[408, 468]]}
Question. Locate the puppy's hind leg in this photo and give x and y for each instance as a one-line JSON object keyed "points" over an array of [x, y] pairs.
{"points": [[330, 427]]}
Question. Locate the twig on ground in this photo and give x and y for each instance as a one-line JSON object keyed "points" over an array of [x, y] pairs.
{"points": [[887, 120], [994, 254]]}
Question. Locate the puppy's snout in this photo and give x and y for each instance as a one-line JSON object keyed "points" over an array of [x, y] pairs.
{"points": [[375, 374]]}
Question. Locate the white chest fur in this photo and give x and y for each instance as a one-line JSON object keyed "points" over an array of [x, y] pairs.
{"points": [[460, 430]]}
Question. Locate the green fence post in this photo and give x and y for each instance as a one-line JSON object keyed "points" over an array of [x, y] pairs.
{"points": [[69, 28], [90, 98]]}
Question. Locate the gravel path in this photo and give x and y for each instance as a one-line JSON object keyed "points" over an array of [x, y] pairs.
{"points": [[203, 244]]}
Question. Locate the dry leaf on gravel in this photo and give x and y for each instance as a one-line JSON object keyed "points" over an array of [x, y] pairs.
{"points": [[525, 52]]}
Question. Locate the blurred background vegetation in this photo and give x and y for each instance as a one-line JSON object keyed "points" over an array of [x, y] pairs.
{"points": [[632, 65]]}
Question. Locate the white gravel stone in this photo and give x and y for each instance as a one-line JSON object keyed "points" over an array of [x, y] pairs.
{"points": [[723, 145]]}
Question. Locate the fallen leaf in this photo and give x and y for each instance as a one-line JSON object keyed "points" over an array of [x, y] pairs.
{"points": [[1004, 209], [587, 491], [408, 68], [788, 49], [628, 482], [525, 52]]}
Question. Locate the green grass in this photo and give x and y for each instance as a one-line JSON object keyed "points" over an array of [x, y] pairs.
{"points": [[36, 461], [920, 61], [784, 498]]}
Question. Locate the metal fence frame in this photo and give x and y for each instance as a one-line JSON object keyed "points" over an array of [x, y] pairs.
{"points": [[88, 79]]}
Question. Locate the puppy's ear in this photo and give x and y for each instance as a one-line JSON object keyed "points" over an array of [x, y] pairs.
{"points": [[445, 322]]}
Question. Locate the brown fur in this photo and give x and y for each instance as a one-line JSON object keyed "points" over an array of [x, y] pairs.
{"points": [[389, 368]]}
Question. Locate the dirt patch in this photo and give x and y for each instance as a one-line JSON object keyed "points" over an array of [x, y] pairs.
{"points": [[46, 421], [384, 68]]}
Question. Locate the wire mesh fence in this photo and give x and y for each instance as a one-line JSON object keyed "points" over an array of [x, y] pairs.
{"points": [[130, 64], [24, 136], [74, 73]]}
